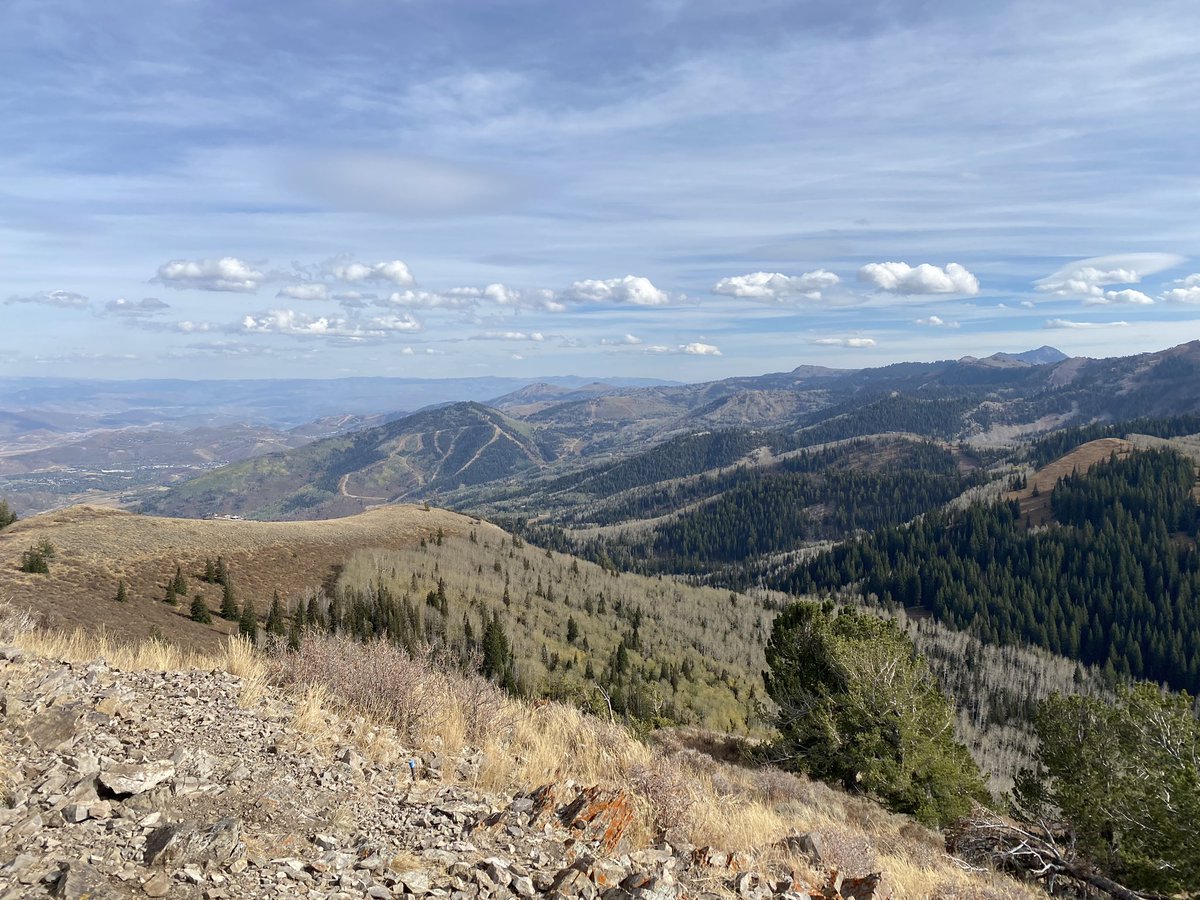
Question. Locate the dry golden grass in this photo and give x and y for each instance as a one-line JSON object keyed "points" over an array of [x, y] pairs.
{"points": [[1082, 458], [340, 689], [99, 547]]}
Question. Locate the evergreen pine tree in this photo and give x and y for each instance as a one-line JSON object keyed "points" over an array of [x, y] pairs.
{"points": [[210, 570], [200, 611], [248, 621], [229, 607], [497, 661], [121, 595], [314, 616], [170, 596], [275, 618], [7, 516], [296, 628], [179, 585], [222, 571], [857, 706]]}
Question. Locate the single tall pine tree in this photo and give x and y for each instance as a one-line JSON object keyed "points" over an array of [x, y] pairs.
{"points": [[179, 585], [248, 622], [229, 607], [121, 595], [275, 623], [200, 611]]}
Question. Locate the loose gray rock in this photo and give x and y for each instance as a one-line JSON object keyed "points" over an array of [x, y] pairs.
{"points": [[189, 843], [79, 881], [55, 728], [128, 779]]}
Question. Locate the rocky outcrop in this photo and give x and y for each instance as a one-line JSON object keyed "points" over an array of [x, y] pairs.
{"points": [[158, 784]]}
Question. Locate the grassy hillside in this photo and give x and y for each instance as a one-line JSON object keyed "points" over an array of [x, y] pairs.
{"points": [[690, 655], [98, 547]]}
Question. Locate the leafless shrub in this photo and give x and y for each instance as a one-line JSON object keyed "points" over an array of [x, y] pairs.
{"points": [[14, 622], [666, 790], [419, 693]]}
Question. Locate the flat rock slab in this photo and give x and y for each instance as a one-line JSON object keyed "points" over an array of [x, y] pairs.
{"points": [[55, 728], [127, 779], [79, 881], [190, 844]]}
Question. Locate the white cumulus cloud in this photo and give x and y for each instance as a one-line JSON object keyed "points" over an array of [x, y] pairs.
{"points": [[225, 274], [901, 278], [632, 289], [775, 287], [936, 322], [290, 322], [405, 323], [695, 348], [1087, 278], [393, 272], [502, 295], [1186, 290], [1125, 296]]}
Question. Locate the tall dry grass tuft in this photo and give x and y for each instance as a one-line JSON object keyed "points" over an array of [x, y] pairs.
{"points": [[19, 627], [239, 658]]}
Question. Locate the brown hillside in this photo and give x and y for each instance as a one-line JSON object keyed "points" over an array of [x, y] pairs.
{"points": [[1035, 497], [97, 547]]}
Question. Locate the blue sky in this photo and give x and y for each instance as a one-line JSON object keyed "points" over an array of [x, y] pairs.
{"points": [[676, 189]]}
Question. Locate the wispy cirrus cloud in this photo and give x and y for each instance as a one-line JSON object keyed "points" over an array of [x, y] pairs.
{"points": [[147, 306], [855, 343], [534, 336], [313, 290], [60, 299], [1081, 326], [626, 340]]}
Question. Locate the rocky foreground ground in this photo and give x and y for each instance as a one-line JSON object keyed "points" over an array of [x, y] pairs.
{"points": [[159, 784]]}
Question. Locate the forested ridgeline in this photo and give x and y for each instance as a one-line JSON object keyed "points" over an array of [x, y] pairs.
{"points": [[727, 520], [1113, 585], [688, 454], [942, 418], [858, 455], [1052, 446]]}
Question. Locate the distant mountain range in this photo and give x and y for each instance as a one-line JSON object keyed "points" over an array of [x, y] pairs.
{"points": [[548, 430]]}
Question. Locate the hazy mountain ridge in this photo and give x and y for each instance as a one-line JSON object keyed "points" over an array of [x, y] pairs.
{"points": [[949, 400], [437, 449]]}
